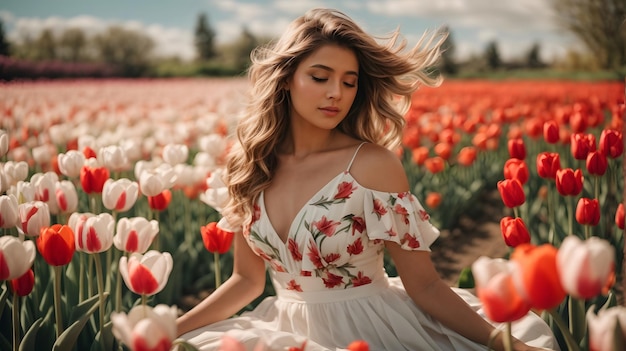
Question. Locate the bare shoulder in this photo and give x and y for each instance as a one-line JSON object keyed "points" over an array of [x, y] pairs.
{"points": [[378, 168]]}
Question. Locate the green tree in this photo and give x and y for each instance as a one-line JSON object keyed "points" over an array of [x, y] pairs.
{"points": [[5, 48], [533, 59], [599, 25], [204, 39], [127, 49], [45, 46], [237, 53], [448, 63], [492, 55], [72, 45]]}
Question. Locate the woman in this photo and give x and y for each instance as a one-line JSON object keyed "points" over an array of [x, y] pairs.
{"points": [[317, 195]]}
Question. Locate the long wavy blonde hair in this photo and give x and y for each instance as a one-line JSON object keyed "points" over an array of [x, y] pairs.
{"points": [[388, 76]]}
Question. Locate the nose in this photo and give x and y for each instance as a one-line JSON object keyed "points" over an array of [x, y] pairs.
{"points": [[334, 90]]}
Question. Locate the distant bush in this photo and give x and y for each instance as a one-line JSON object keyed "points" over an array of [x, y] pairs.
{"points": [[11, 69]]}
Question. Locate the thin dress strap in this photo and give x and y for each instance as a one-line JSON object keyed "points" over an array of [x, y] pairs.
{"points": [[354, 156]]}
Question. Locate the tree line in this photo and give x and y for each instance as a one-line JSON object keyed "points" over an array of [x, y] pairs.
{"points": [[598, 24]]}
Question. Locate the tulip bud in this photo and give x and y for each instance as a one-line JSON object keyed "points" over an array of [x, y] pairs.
{"points": [[66, 196], [547, 164], [435, 164], [16, 257], [160, 201], [92, 179], [514, 231], [4, 143], [34, 215], [175, 154], [56, 244], [596, 163], [433, 199], [146, 274], [216, 239], [113, 157], [96, 234], [569, 182], [582, 144], [517, 148], [146, 328], [588, 211], [619, 216], [585, 267], [551, 132], [119, 195], [9, 215], [135, 234], [515, 168], [71, 163], [511, 192], [419, 155], [611, 143], [23, 285], [467, 156], [607, 328]]}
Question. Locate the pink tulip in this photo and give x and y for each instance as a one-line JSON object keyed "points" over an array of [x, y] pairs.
{"points": [[146, 274], [96, 234], [119, 195], [8, 211], [146, 328], [496, 290], [16, 257], [585, 267], [34, 215], [603, 328], [135, 235]]}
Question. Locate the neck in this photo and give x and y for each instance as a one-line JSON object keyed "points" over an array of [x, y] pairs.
{"points": [[300, 144]]}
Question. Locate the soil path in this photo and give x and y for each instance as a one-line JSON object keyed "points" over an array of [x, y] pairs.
{"points": [[476, 234]]}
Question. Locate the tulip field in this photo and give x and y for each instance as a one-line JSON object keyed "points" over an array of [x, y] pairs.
{"points": [[110, 190]]}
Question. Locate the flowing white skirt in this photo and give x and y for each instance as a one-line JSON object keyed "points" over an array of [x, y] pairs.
{"points": [[380, 313]]}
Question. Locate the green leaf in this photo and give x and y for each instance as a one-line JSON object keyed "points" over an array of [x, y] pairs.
{"points": [[3, 299], [466, 279], [81, 315], [104, 340], [4, 343], [30, 338]]}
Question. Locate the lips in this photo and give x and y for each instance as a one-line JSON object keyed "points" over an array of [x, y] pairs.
{"points": [[329, 110]]}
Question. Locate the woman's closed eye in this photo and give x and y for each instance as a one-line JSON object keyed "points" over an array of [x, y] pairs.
{"points": [[321, 80]]}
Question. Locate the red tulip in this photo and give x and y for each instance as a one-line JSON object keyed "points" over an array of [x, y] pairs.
{"points": [[496, 290], [23, 285], [161, 201], [56, 244], [511, 192], [467, 156], [611, 143], [92, 179], [551, 132], [443, 150], [569, 182], [515, 168], [547, 164], [582, 144], [620, 216], [517, 148], [435, 164], [216, 239], [514, 231], [538, 275], [596, 163], [433, 199], [419, 155], [588, 211], [89, 153], [359, 345]]}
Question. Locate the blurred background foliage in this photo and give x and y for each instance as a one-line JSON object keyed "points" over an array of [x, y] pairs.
{"points": [[118, 52]]}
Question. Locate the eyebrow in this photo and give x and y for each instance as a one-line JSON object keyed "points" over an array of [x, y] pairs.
{"points": [[330, 69]]}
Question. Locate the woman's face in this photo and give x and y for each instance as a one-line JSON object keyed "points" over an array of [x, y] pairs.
{"points": [[323, 87]]}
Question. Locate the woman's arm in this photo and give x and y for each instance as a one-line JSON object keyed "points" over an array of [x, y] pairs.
{"points": [[245, 284], [436, 298]]}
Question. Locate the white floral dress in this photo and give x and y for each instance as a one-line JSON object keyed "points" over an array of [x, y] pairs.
{"points": [[331, 284]]}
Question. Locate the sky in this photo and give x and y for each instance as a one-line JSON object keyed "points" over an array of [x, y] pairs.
{"points": [[514, 24]]}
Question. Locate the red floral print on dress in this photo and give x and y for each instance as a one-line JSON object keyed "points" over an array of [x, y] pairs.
{"points": [[424, 216], [358, 224], [306, 273], [326, 226], [292, 285], [361, 279], [401, 210], [391, 233], [379, 208], [332, 280], [314, 255], [294, 250], [356, 247], [332, 257], [410, 241], [344, 190], [256, 213]]}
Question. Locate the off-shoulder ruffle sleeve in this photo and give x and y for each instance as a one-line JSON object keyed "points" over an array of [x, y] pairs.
{"points": [[398, 217]]}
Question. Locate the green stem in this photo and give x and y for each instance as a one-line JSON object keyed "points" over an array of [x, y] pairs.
{"points": [[569, 339], [58, 270], [551, 216], [96, 259], [570, 215], [508, 338], [218, 273], [156, 244], [81, 277], [118, 287], [16, 322]]}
